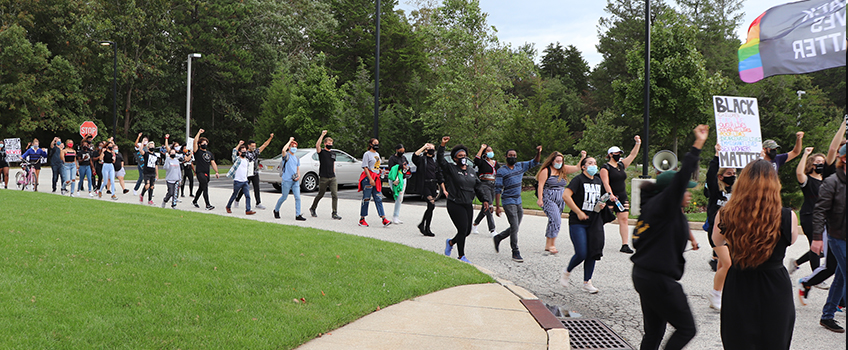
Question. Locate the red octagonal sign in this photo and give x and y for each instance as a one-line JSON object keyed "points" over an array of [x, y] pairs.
{"points": [[88, 128]]}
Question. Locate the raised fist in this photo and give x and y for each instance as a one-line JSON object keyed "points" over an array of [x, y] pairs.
{"points": [[799, 134], [445, 139], [637, 138], [201, 131], [808, 150]]}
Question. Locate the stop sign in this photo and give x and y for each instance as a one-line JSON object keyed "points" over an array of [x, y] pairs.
{"points": [[88, 128]]}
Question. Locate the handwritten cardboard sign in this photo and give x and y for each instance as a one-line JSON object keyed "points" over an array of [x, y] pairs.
{"points": [[738, 130]]}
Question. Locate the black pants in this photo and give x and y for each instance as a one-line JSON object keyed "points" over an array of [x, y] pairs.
{"points": [[663, 301], [202, 188], [809, 256], [489, 187], [429, 193], [98, 176], [253, 181], [461, 215], [187, 174], [57, 171], [820, 275]]}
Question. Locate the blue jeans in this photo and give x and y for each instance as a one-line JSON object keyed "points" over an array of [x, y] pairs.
{"points": [[837, 288], [108, 174], [69, 176], [140, 177], [369, 192], [244, 187], [85, 171], [580, 240], [294, 187]]}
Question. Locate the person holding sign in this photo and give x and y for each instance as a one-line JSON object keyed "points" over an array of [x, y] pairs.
{"points": [[777, 160]]}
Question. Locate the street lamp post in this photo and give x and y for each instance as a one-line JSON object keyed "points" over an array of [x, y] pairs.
{"points": [[377, 76], [188, 97], [114, 84], [647, 104]]}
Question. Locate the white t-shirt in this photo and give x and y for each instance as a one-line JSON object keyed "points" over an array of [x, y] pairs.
{"points": [[241, 171]]}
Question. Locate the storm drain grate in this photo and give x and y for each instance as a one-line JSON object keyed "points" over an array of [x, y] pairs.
{"points": [[590, 333]]}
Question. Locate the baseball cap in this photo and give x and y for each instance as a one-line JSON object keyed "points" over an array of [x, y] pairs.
{"points": [[613, 149], [770, 144], [664, 179]]}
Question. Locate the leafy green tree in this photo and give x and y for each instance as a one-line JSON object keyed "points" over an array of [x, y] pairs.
{"points": [[536, 123], [717, 41], [314, 102]]}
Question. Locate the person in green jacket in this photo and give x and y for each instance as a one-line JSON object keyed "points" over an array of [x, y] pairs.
{"points": [[398, 172]]}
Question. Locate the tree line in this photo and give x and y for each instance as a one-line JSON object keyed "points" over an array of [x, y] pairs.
{"points": [[297, 67]]}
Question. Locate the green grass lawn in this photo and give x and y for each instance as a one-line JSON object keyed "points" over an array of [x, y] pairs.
{"points": [[81, 274]]}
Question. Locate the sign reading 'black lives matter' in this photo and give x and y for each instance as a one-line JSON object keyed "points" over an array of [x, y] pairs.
{"points": [[738, 130]]}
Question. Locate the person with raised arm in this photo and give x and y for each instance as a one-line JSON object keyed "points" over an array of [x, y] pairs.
{"points": [[290, 179], [614, 176], [551, 181], [252, 155], [204, 160], [462, 182], [326, 175], [487, 170]]}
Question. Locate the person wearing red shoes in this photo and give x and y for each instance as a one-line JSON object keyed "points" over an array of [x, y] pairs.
{"points": [[370, 184], [242, 167]]}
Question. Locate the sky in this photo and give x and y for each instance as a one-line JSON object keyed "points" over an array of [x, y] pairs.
{"points": [[569, 22]]}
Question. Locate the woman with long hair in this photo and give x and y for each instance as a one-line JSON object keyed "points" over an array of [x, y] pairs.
{"points": [[581, 196], [4, 165], [107, 169], [757, 307], [719, 184], [552, 180], [69, 167], [614, 177]]}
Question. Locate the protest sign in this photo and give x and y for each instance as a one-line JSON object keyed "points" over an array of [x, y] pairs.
{"points": [[738, 130], [13, 150]]}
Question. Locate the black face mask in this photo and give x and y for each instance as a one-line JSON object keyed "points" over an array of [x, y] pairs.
{"points": [[616, 157], [819, 168], [400, 154], [328, 146], [511, 160], [772, 154], [203, 146], [431, 152], [729, 180], [110, 148], [173, 155], [375, 147], [460, 161]]}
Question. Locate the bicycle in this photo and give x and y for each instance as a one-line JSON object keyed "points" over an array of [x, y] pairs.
{"points": [[26, 176]]}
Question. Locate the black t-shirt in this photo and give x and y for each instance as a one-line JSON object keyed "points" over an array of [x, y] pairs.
{"points": [[396, 159], [119, 160], [810, 189], [84, 156], [150, 160], [617, 178], [587, 192], [483, 166], [203, 160], [327, 160]]}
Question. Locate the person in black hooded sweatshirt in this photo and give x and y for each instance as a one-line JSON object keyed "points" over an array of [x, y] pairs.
{"points": [[660, 237]]}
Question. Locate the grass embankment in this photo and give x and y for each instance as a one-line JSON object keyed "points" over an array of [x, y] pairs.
{"points": [[80, 273]]}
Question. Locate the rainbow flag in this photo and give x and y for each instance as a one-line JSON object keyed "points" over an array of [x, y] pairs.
{"points": [[795, 38]]}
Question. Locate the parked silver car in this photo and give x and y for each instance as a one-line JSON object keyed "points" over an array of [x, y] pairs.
{"points": [[348, 169]]}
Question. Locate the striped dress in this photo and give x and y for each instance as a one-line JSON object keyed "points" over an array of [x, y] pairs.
{"points": [[553, 204]]}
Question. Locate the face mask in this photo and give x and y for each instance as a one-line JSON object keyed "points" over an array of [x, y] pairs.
{"points": [[59, 144], [729, 180], [116, 150], [592, 170], [70, 144], [511, 160], [293, 149], [375, 147], [328, 146], [431, 152], [203, 146], [2, 146], [772, 154], [819, 168], [177, 148], [557, 166], [616, 157], [400, 154], [110, 148], [490, 155], [35, 146], [173, 155], [461, 161]]}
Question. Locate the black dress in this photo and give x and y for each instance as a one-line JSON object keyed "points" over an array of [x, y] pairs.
{"points": [[757, 307]]}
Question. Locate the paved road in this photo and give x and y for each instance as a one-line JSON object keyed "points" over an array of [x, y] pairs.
{"points": [[617, 304]]}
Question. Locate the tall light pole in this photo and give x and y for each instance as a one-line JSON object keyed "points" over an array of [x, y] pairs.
{"points": [[188, 97], [114, 84], [377, 76], [647, 107]]}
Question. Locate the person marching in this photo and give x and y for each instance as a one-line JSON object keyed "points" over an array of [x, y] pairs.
{"points": [[660, 238], [719, 184], [139, 163], [462, 184], [150, 157], [203, 159], [551, 181], [487, 169], [809, 174], [614, 176], [290, 179], [4, 165], [56, 163], [581, 196], [69, 167], [370, 184], [172, 176], [252, 156], [120, 169], [107, 158], [770, 147], [326, 175], [187, 164], [33, 155], [85, 165], [428, 178], [508, 188], [397, 179], [242, 167]]}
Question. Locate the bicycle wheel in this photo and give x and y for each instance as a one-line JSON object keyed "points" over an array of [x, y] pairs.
{"points": [[20, 180]]}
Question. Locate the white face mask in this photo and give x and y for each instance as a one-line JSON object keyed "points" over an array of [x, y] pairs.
{"points": [[557, 166]]}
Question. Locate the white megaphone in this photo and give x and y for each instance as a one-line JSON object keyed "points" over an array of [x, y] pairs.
{"points": [[665, 160]]}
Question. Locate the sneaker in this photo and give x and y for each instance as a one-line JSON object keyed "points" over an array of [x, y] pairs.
{"points": [[715, 299], [276, 214], [493, 233], [386, 222], [713, 264], [428, 233], [182, 195], [626, 249], [141, 198], [209, 207], [179, 200], [803, 293], [114, 197], [363, 223], [563, 280], [109, 192], [62, 192], [229, 211], [474, 229], [195, 204], [236, 204], [312, 212], [396, 220], [421, 228], [150, 202], [99, 194], [173, 206], [249, 212], [300, 218], [831, 325], [587, 286], [126, 191], [516, 256], [135, 193], [791, 266], [822, 286], [91, 194], [336, 216], [163, 204], [448, 247], [497, 244], [260, 206], [463, 259]]}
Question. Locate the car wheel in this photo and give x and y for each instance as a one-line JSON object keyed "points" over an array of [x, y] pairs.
{"points": [[309, 183], [277, 187]]}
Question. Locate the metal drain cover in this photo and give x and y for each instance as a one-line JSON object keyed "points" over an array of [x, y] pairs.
{"points": [[589, 333]]}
